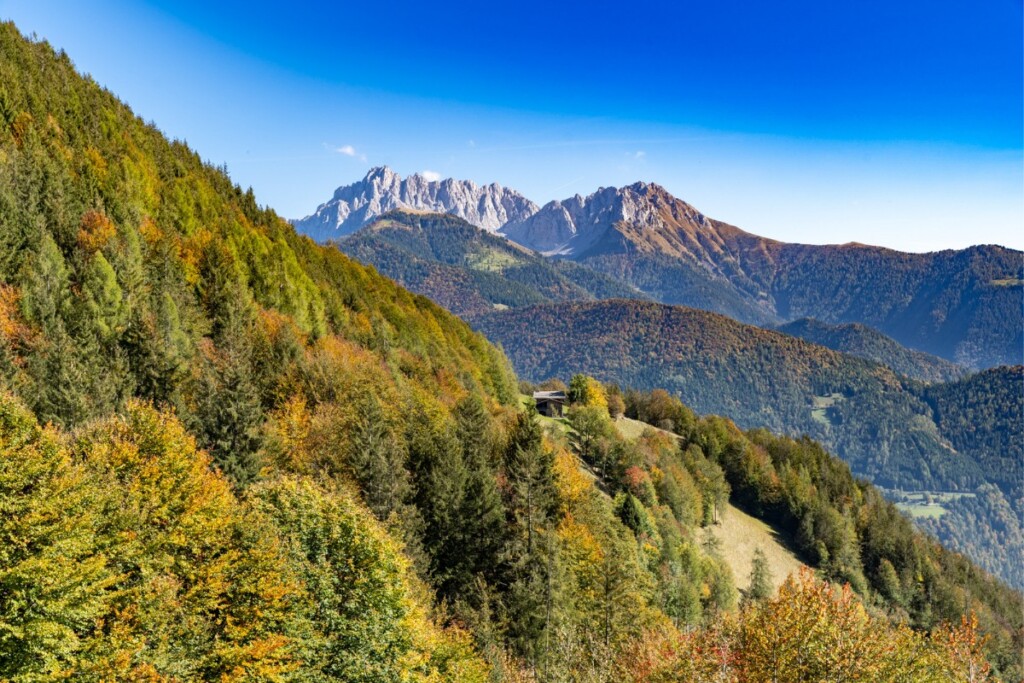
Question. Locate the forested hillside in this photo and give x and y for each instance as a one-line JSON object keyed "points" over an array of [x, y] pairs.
{"points": [[841, 524], [984, 412], [962, 306], [227, 453], [864, 342], [899, 433], [468, 270], [883, 424]]}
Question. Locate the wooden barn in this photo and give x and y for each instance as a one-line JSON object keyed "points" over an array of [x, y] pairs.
{"points": [[550, 403]]}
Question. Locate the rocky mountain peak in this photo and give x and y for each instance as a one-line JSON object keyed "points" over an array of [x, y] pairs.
{"points": [[382, 189], [572, 226]]}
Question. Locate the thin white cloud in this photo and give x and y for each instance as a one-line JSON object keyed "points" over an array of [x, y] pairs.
{"points": [[431, 176], [347, 150], [640, 154]]}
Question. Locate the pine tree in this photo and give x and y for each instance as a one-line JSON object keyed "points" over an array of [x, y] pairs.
{"points": [[482, 514], [377, 459], [102, 303], [760, 587], [529, 556], [45, 285]]}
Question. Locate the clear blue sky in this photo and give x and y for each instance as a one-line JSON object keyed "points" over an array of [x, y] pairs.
{"points": [[893, 123]]}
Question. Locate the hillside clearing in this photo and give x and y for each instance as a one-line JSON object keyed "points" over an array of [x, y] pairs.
{"points": [[740, 534]]}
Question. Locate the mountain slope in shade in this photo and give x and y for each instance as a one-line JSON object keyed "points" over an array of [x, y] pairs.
{"points": [[353, 206], [961, 305], [984, 413], [865, 342], [470, 271], [883, 424]]}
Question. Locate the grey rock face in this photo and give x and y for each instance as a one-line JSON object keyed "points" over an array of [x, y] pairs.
{"points": [[570, 226], [353, 206]]}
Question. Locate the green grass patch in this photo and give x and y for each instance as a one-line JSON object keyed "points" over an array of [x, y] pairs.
{"points": [[491, 260], [820, 406], [919, 504]]}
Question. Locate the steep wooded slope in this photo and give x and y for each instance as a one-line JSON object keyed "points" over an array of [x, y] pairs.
{"points": [[880, 422], [864, 342], [468, 270]]}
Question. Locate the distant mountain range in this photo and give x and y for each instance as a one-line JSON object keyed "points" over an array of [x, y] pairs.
{"points": [[963, 306], [353, 206]]}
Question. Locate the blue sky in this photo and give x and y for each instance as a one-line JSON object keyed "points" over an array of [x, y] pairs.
{"points": [[880, 122]]}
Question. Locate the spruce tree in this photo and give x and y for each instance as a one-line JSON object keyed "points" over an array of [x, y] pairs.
{"points": [[760, 587], [482, 513], [102, 300], [377, 459], [529, 557]]}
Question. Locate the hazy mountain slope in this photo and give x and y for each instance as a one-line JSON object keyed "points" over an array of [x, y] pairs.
{"points": [[984, 413], [353, 206], [865, 342], [468, 270], [878, 421], [961, 305], [988, 528]]}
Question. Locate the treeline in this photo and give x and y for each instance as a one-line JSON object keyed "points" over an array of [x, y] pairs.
{"points": [[130, 557], [126, 556]]}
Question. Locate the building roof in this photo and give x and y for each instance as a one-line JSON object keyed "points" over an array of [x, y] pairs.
{"points": [[549, 395]]}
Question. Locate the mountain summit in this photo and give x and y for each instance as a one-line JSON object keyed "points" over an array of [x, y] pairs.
{"points": [[645, 215], [353, 206]]}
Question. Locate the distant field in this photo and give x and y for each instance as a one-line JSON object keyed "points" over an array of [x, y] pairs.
{"points": [[490, 260], [929, 504], [820, 406]]}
